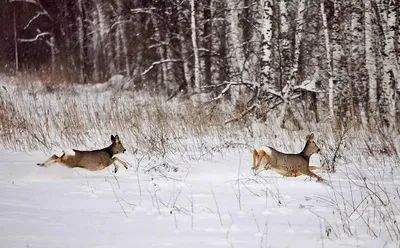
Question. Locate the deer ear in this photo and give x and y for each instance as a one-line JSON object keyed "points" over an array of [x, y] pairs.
{"points": [[310, 136], [112, 138], [116, 139]]}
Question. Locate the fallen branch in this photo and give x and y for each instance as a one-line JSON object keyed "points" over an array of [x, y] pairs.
{"points": [[159, 63], [241, 115]]}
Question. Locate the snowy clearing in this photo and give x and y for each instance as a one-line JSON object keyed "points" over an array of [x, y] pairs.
{"points": [[200, 205]]}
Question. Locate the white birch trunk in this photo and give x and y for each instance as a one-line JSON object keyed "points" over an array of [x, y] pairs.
{"points": [[15, 43], [390, 65], [356, 62], [116, 38], [53, 54], [299, 36], [370, 60], [195, 46], [122, 35], [97, 40], [208, 41], [95, 45], [81, 42], [329, 62], [284, 17], [160, 49], [296, 61], [265, 22], [104, 28], [236, 52], [285, 56], [184, 48], [170, 74]]}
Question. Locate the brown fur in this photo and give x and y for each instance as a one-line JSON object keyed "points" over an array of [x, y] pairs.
{"points": [[286, 164], [90, 160]]}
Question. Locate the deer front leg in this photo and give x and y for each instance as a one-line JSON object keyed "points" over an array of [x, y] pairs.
{"points": [[116, 168], [114, 160], [52, 160], [119, 160]]}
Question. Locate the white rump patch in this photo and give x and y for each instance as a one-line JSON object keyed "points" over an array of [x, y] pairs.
{"points": [[267, 150], [69, 152]]}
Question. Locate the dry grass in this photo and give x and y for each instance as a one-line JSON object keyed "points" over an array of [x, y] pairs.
{"points": [[36, 118]]}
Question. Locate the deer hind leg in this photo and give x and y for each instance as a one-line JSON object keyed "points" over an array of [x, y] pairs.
{"points": [[52, 160], [255, 156], [311, 174], [295, 173], [312, 167], [292, 173]]}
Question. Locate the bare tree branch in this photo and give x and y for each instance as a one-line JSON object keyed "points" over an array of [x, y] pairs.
{"points": [[241, 115], [159, 63], [36, 38]]}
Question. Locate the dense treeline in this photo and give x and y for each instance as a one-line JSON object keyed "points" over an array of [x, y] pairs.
{"points": [[304, 58]]}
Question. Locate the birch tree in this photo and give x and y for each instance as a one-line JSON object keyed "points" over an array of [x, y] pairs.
{"points": [[387, 13], [95, 46], [265, 23], [208, 37], [15, 42], [236, 56], [288, 90], [193, 28], [236, 52], [104, 42], [160, 46], [284, 45], [329, 62], [183, 17], [122, 36], [370, 60], [82, 42], [356, 62]]}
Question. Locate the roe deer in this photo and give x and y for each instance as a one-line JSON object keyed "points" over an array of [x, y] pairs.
{"points": [[288, 165], [90, 160]]}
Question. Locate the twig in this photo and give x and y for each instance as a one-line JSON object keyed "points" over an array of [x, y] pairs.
{"points": [[116, 179], [159, 63], [241, 115], [217, 206], [116, 197], [337, 149]]}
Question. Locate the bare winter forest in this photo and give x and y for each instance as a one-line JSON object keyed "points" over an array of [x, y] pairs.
{"points": [[326, 60], [192, 87]]}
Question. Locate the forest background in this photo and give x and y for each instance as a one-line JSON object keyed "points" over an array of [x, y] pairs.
{"points": [[324, 60]]}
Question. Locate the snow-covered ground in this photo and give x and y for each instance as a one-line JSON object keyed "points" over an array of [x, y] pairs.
{"points": [[216, 202]]}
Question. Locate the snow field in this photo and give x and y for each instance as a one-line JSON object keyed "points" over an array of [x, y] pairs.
{"points": [[203, 204]]}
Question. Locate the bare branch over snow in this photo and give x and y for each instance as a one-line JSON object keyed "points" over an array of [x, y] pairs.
{"points": [[159, 63]]}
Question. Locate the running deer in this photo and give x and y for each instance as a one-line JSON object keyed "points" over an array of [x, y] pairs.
{"points": [[91, 160], [288, 165]]}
